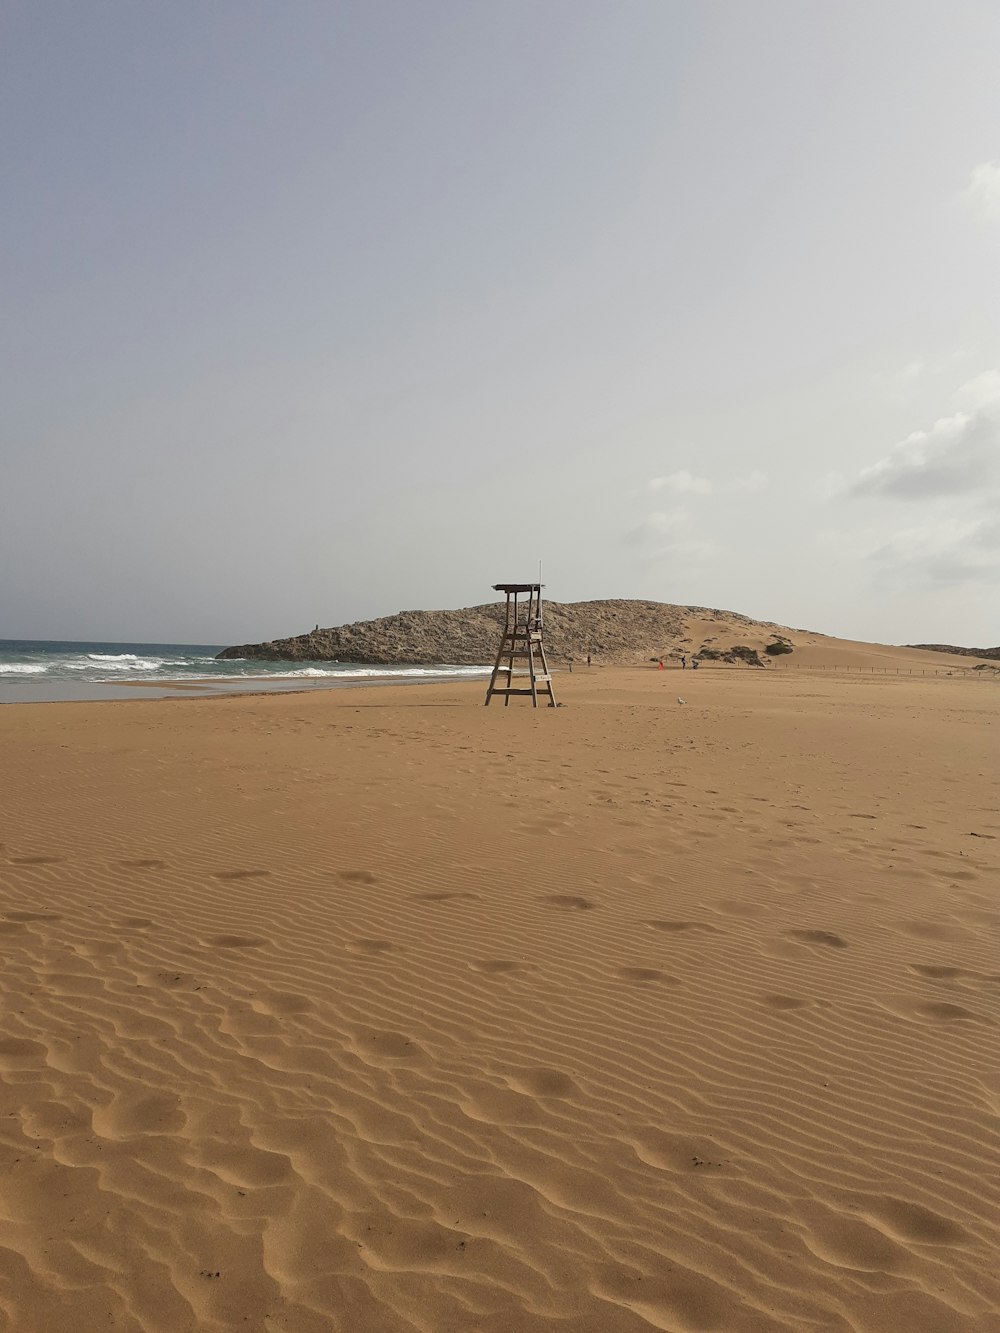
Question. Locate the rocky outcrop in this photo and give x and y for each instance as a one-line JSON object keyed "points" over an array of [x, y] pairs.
{"points": [[963, 652], [739, 652], [619, 631]]}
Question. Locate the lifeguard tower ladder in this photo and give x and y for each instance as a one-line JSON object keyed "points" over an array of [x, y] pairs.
{"points": [[521, 642]]}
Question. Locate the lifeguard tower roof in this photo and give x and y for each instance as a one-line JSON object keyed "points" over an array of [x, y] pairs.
{"points": [[517, 587]]}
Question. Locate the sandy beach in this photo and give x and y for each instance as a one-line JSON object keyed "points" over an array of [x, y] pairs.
{"points": [[376, 1010]]}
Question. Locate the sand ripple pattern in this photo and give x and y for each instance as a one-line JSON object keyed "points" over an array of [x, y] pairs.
{"points": [[326, 1016]]}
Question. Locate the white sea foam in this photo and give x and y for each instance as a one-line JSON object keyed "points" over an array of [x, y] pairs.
{"points": [[75, 665], [389, 672], [139, 664], [97, 672]]}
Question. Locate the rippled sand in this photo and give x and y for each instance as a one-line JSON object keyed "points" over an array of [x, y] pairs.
{"points": [[379, 1010]]}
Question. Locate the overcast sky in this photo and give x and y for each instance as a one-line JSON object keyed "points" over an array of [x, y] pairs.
{"points": [[318, 311]]}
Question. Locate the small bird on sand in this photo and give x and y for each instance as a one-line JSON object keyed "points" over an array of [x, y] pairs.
{"points": [[680, 700]]}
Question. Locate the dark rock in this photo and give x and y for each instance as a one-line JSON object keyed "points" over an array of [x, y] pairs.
{"points": [[950, 648]]}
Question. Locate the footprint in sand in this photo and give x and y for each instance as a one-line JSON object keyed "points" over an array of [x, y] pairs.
{"points": [[21, 1053], [910, 1221], [645, 974], [946, 972], [825, 937], [385, 1045], [784, 1003], [542, 1083], [501, 1106], [356, 876], [33, 916], [569, 902], [934, 930], [36, 860], [148, 1113], [172, 979], [939, 1011], [851, 1243], [97, 948], [944, 1012], [235, 942], [279, 1004], [135, 923], [678, 1152]]}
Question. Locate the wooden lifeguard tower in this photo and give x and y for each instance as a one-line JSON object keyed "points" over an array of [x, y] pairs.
{"points": [[522, 642]]}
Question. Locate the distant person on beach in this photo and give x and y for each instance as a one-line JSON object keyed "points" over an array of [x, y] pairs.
{"points": [[684, 662], [588, 659], [695, 664]]}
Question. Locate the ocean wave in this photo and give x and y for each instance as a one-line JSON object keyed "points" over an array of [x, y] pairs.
{"points": [[389, 672], [447, 671], [141, 664], [113, 664], [80, 667]]}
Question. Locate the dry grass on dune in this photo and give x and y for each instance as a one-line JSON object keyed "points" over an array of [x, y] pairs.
{"points": [[379, 1010]]}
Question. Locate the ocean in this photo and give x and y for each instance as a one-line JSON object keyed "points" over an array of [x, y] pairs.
{"points": [[46, 671]]}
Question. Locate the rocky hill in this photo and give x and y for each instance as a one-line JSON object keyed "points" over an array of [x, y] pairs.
{"points": [[621, 631], [963, 652]]}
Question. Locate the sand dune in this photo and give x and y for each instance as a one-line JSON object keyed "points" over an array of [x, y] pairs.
{"points": [[379, 1010], [722, 629]]}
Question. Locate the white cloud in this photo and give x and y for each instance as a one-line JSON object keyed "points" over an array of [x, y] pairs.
{"points": [[953, 469], [752, 484], [925, 368], [911, 373], [982, 194], [686, 483], [981, 391], [831, 485], [668, 534], [681, 483], [946, 551], [958, 455]]}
